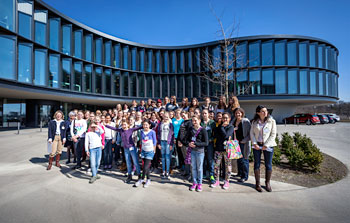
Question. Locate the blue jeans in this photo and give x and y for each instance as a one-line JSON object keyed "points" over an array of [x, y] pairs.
{"points": [[165, 155], [267, 157], [243, 164], [209, 159], [197, 159], [107, 152], [131, 154], [95, 159]]}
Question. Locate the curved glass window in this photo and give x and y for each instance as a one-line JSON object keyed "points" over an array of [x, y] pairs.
{"points": [[280, 53], [180, 86], [303, 54], [332, 59], [313, 82], [77, 76], [149, 85], [156, 80], [25, 12], [142, 60], [320, 56], [7, 14], [88, 47], [241, 55], [268, 84], [40, 21], [53, 70], [7, 57], [180, 61], [254, 79], [321, 89], [188, 86], [98, 80], [116, 80], [266, 50], [254, 54], [173, 62], [117, 55], [196, 85], [40, 67], [292, 82], [78, 35], [281, 82], [204, 87], [66, 69], [125, 84], [133, 58], [108, 53], [304, 83], [196, 58], [25, 63], [242, 82], [98, 50], [312, 55], [88, 78], [188, 60], [292, 53], [327, 84], [165, 61], [108, 82], [54, 31], [164, 85], [157, 61], [172, 83], [66, 39], [327, 56], [149, 60], [141, 85]]}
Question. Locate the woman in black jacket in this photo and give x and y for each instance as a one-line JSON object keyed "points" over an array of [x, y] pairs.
{"points": [[222, 133], [56, 138], [196, 140]]}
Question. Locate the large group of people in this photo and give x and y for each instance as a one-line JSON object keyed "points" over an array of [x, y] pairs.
{"points": [[186, 136]]}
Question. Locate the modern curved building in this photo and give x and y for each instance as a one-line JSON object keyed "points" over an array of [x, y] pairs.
{"points": [[50, 61]]}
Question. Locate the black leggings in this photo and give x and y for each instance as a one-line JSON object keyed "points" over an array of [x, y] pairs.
{"points": [[146, 168]]}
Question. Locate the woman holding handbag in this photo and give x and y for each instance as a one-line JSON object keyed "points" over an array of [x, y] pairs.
{"points": [[242, 133], [263, 135], [197, 140], [223, 132]]}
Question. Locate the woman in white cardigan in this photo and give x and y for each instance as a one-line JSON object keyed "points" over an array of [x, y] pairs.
{"points": [[263, 134]]}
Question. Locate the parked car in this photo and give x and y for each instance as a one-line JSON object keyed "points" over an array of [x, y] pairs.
{"points": [[303, 118], [331, 119], [323, 119], [335, 117]]}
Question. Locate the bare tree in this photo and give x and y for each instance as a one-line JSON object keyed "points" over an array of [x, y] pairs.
{"points": [[221, 67]]}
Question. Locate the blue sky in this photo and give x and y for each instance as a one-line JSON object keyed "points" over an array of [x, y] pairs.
{"points": [[182, 22]]}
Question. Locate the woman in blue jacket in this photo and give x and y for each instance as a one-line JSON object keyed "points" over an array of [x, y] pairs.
{"points": [[56, 137]]}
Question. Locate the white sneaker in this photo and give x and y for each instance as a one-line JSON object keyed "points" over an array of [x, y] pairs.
{"points": [[148, 182], [138, 183]]}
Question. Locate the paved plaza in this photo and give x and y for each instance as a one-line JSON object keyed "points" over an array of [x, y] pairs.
{"points": [[29, 193]]}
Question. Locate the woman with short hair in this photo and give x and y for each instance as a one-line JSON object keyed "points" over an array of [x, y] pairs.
{"points": [[263, 135]]}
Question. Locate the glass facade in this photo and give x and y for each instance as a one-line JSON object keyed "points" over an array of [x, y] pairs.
{"points": [[7, 14], [292, 53], [78, 76], [268, 81], [78, 37], [108, 53], [40, 21], [108, 82], [267, 53], [25, 62], [98, 80], [53, 70], [25, 13], [141, 85], [66, 73], [54, 33], [254, 54], [292, 82], [303, 54], [280, 53], [254, 79], [7, 57], [40, 67], [281, 82], [88, 78], [66, 39], [304, 83], [98, 51], [88, 47]]}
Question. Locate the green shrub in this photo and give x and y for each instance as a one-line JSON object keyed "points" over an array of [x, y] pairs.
{"points": [[296, 157], [276, 159], [314, 159], [287, 142], [297, 138]]}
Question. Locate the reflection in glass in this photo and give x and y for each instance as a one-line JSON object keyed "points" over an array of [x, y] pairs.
{"points": [[157, 61], [88, 47], [149, 60], [133, 58], [327, 85], [132, 85], [141, 83], [188, 60], [242, 82], [165, 61], [303, 82], [196, 59], [292, 53], [40, 21], [149, 85], [25, 12], [54, 31], [108, 53], [172, 83], [156, 86], [142, 59], [320, 56], [281, 82], [77, 76], [125, 57], [321, 88], [292, 82], [78, 35], [40, 67], [173, 62], [204, 87], [66, 39], [98, 80], [125, 84], [7, 57], [117, 82], [108, 82], [254, 79], [241, 55], [116, 61], [312, 54], [88, 78], [188, 86], [254, 54], [180, 61], [180, 86], [7, 14], [216, 57], [25, 63], [196, 82], [164, 85], [53, 70], [66, 70], [302, 54], [313, 82], [267, 57], [280, 53], [98, 50], [268, 86]]}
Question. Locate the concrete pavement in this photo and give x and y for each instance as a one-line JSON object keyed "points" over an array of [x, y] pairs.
{"points": [[29, 193]]}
